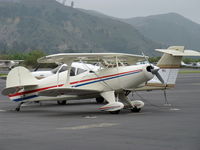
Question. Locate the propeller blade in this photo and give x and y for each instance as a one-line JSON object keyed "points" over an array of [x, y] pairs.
{"points": [[159, 77]]}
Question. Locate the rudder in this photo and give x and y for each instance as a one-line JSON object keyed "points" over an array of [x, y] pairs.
{"points": [[18, 78]]}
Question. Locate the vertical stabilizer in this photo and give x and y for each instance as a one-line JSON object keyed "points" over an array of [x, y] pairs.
{"points": [[17, 79], [170, 61]]}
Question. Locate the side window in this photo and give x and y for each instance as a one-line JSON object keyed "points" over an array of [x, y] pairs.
{"points": [[64, 68], [72, 72], [54, 71], [79, 71]]}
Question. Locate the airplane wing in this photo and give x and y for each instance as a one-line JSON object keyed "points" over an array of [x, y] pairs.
{"points": [[66, 91], [7, 61], [92, 57]]}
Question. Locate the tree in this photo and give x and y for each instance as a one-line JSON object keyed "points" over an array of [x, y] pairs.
{"points": [[31, 58]]}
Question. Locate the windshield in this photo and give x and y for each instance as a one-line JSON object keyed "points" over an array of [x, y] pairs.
{"points": [[74, 71]]}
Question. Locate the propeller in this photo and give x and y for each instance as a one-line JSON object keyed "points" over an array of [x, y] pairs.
{"points": [[154, 70]]}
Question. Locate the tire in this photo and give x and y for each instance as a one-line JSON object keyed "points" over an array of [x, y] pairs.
{"points": [[17, 109], [62, 102], [100, 100], [114, 112], [135, 109]]}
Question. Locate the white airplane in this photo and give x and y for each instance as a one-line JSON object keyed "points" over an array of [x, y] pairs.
{"points": [[196, 64], [191, 65], [9, 63], [185, 65], [114, 78]]}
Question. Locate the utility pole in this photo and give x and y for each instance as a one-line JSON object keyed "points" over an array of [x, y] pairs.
{"points": [[72, 4]]}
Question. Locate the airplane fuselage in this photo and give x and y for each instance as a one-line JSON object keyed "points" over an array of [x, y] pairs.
{"points": [[107, 79]]}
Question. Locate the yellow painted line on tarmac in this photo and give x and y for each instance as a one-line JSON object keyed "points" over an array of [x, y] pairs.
{"points": [[100, 125]]}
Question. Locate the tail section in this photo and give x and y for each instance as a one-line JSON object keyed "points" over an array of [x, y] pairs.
{"points": [[168, 60], [169, 65], [17, 79], [173, 55]]}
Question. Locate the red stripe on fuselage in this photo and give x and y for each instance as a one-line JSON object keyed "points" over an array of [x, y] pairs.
{"points": [[103, 77], [33, 91], [41, 89]]}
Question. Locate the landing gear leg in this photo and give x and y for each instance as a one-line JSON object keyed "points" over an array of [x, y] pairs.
{"points": [[132, 105], [19, 106], [166, 100]]}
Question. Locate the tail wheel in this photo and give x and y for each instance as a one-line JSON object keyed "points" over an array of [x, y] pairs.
{"points": [[99, 100], [135, 109], [62, 102]]}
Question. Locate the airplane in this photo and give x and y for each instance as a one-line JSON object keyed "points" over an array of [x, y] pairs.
{"points": [[115, 77], [9, 63], [185, 65], [196, 64], [191, 65]]}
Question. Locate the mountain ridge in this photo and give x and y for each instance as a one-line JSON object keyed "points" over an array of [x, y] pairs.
{"points": [[169, 29], [53, 27]]}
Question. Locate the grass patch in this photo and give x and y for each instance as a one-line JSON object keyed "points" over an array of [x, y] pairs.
{"points": [[189, 71], [2, 75]]}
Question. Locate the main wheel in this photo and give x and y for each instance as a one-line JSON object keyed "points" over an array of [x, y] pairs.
{"points": [[135, 109], [99, 100], [62, 102], [114, 112], [17, 109]]}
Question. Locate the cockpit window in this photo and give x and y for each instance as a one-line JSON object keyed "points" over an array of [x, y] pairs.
{"points": [[72, 72], [54, 71], [64, 68], [79, 71]]}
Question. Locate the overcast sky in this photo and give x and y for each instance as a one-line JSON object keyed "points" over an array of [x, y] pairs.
{"points": [[135, 8]]}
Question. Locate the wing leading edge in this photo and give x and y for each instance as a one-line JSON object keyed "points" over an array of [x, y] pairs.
{"points": [[91, 57]]}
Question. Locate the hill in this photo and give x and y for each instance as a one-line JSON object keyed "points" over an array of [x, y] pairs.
{"points": [[169, 29], [48, 25]]}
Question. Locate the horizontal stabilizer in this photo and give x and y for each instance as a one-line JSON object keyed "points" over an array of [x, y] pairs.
{"points": [[179, 53], [66, 91], [12, 90], [172, 56]]}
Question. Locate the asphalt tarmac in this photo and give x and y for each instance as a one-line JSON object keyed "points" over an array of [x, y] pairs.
{"points": [[80, 125]]}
